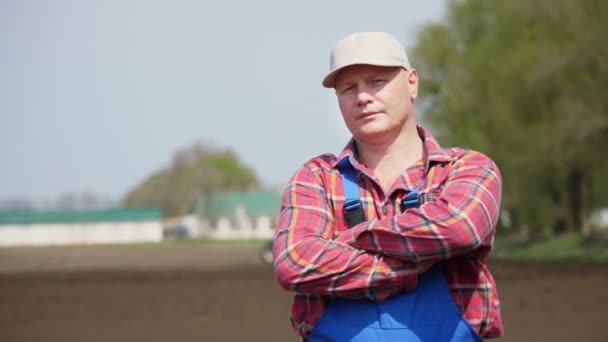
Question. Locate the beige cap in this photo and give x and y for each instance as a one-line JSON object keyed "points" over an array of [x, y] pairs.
{"points": [[374, 48]]}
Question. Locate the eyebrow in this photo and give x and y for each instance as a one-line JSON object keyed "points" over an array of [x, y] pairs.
{"points": [[348, 79]]}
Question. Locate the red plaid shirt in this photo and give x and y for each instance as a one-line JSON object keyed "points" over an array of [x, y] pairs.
{"points": [[317, 256]]}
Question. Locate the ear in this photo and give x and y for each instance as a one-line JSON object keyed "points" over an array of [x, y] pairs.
{"points": [[412, 84]]}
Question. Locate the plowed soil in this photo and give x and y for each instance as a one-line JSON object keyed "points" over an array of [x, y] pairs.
{"points": [[225, 293]]}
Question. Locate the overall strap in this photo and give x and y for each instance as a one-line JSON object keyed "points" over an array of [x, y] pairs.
{"points": [[412, 200], [352, 209]]}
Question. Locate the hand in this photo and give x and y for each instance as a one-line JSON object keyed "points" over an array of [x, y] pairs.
{"points": [[424, 266]]}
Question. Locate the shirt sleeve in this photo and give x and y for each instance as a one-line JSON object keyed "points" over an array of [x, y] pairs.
{"points": [[461, 220], [308, 260]]}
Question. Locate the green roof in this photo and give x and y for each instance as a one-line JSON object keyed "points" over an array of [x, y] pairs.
{"points": [[225, 203], [106, 215]]}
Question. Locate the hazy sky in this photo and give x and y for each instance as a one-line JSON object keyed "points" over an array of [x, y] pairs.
{"points": [[96, 95]]}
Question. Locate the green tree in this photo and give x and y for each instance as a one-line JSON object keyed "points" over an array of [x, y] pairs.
{"points": [[523, 81], [195, 170]]}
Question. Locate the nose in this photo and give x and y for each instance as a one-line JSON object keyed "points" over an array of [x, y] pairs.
{"points": [[364, 97]]}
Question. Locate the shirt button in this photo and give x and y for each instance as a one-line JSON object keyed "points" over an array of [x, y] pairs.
{"points": [[385, 210]]}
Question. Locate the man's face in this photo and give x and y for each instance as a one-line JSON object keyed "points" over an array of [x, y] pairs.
{"points": [[376, 102]]}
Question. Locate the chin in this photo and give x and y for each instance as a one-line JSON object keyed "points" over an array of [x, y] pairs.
{"points": [[374, 128], [371, 135]]}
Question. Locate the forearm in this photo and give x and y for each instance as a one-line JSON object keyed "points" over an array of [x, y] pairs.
{"points": [[309, 260], [430, 241], [459, 222], [314, 265]]}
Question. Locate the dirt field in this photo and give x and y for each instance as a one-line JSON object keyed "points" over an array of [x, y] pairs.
{"points": [[218, 293]]}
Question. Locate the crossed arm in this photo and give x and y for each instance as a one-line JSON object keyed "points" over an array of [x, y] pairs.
{"points": [[378, 258], [459, 222], [308, 259]]}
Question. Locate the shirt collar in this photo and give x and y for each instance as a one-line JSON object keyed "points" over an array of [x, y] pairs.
{"points": [[434, 152], [348, 152]]}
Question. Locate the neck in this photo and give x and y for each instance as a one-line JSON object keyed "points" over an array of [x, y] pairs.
{"points": [[391, 157]]}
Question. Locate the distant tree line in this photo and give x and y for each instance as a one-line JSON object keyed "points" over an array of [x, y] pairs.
{"points": [[525, 82], [195, 170]]}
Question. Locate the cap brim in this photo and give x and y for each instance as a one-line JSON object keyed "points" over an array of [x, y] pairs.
{"points": [[330, 80]]}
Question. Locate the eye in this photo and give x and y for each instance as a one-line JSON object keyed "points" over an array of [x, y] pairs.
{"points": [[348, 89], [378, 81]]}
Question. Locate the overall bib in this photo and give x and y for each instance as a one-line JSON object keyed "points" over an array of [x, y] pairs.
{"points": [[427, 314]]}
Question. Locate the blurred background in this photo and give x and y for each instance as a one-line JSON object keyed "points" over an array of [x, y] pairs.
{"points": [[145, 146]]}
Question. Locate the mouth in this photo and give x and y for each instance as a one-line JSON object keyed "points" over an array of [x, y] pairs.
{"points": [[365, 115]]}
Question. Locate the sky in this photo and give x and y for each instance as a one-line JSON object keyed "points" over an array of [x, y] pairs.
{"points": [[97, 95]]}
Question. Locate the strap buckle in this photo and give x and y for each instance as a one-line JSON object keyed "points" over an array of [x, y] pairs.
{"points": [[412, 200], [353, 212]]}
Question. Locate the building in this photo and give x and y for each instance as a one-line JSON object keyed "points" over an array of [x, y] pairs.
{"points": [[238, 215], [35, 228]]}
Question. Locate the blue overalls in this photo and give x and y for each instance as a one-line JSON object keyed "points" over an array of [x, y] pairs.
{"points": [[426, 314]]}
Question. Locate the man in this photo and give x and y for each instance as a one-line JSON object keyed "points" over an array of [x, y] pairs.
{"points": [[406, 262]]}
